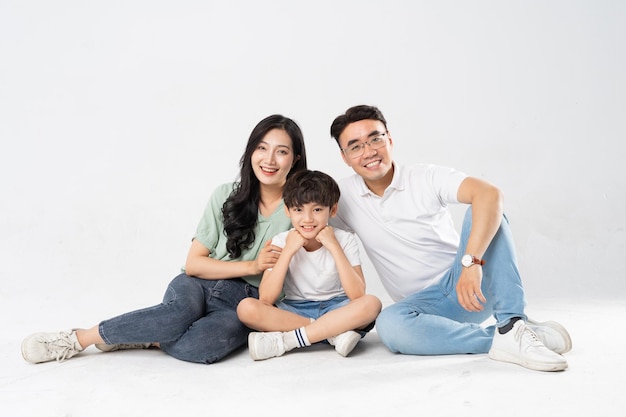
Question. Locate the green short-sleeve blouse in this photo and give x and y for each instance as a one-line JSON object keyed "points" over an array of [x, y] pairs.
{"points": [[210, 231]]}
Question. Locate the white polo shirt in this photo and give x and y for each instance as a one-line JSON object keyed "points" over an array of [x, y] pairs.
{"points": [[408, 233]]}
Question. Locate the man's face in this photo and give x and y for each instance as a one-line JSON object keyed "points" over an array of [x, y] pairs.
{"points": [[374, 165]]}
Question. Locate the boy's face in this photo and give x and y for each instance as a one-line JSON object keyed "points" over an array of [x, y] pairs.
{"points": [[310, 218]]}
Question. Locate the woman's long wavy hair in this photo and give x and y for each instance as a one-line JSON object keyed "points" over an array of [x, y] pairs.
{"points": [[241, 209]]}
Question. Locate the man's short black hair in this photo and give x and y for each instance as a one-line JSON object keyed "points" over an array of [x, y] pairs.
{"points": [[355, 114]]}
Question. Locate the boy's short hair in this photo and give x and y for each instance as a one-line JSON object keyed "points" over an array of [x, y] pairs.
{"points": [[307, 186]]}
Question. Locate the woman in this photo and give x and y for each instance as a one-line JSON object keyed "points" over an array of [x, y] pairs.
{"points": [[197, 320]]}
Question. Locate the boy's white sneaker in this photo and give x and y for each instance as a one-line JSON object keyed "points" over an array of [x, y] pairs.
{"points": [[265, 345], [552, 334], [45, 347], [521, 346], [122, 346], [345, 342]]}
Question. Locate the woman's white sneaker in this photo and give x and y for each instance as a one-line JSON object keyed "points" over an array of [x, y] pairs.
{"points": [[45, 347], [122, 346]]}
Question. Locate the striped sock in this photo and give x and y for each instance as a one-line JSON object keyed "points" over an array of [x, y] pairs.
{"points": [[295, 339]]}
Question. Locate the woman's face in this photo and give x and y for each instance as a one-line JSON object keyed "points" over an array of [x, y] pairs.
{"points": [[273, 158]]}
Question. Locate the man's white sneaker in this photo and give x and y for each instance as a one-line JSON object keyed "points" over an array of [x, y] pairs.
{"points": [[521, 346], [265, 345], [45, 347], [552, 334], [345, 342], [122, 346]]}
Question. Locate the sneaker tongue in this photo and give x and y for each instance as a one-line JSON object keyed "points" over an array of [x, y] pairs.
{"points": [[531, 336]]}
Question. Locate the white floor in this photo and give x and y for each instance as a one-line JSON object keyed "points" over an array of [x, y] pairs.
{"points": [[320, 382]]}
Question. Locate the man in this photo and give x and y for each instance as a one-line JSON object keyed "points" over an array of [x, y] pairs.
{"points": [[444, 285]]}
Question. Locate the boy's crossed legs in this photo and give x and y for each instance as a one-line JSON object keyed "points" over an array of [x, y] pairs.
{"points": [[296, 324]]}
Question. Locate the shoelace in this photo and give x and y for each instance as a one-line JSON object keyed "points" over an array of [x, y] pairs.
{"points": [[61, 348], [532, 336]]}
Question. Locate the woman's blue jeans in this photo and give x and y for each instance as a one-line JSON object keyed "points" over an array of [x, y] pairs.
{"points": [[432, 322], [196, 322]]}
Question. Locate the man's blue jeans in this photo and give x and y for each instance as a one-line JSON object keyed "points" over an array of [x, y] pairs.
{"points": [[196, 322], [432, 322]]}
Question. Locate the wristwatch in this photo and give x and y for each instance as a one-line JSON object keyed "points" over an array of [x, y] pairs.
{"points": [[469, 260]]}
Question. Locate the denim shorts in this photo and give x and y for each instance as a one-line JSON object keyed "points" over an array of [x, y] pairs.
{"points": [[313, 309], [316, 309]]}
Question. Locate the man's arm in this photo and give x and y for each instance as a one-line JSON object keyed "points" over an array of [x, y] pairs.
{"points": [[487, 208]]}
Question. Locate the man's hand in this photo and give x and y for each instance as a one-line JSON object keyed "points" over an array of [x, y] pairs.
{"points": [[468, 289]]}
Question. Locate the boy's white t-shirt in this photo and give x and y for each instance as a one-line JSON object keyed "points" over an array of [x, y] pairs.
{"points": [[313, 275]]}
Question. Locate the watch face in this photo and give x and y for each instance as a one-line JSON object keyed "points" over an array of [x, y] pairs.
{"points": [[466, 260]]}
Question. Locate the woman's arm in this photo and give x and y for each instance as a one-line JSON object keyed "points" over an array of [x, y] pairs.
{"points": [[273, 280], [200, 265]]}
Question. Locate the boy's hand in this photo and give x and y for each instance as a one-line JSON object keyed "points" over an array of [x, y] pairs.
{"points": [[327, 237], [294, 241]]}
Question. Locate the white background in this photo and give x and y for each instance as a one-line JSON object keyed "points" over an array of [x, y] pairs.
{"points": [[119, 118]]}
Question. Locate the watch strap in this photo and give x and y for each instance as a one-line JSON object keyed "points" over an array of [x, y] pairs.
{"points": [[477, 261]]}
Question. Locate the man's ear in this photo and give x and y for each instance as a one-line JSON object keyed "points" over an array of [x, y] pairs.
{"points": [[343, 156], [287, 212]]}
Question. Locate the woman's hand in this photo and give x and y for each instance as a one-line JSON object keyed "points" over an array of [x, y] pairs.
{"points": [[268, 255]]}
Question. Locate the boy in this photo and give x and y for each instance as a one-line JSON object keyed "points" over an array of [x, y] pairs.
{"points": [[320, 274]]}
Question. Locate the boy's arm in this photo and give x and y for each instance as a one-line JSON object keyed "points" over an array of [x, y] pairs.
{"points": [[273, 279], [351, 277]]}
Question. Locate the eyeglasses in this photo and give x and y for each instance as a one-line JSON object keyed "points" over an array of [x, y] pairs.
{"points": [[356, 149]]}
